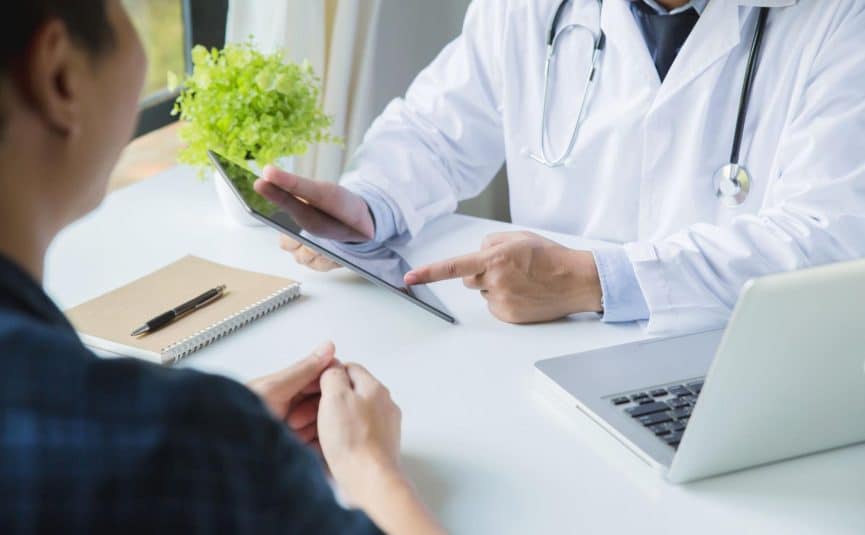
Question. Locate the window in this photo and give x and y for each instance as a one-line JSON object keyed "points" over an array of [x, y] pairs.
{"points": [[160, 25], [169, 29]]}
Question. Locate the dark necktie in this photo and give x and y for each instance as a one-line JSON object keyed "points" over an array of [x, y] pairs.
{"points": [[664, 34]]}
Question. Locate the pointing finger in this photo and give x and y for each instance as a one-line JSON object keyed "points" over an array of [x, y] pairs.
{"points": [[462, 266]]}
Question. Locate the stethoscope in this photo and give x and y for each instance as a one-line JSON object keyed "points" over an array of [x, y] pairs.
{"points": [[732, 181]]}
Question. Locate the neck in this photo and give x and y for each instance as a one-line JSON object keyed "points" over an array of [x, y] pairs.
{"points": [[26, 223], [672, 4]]}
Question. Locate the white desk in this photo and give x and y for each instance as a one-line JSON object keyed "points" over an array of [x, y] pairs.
{"points": [[488, 453]]}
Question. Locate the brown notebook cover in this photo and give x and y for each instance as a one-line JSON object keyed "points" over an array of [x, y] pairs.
{"points": [[106, 322]]}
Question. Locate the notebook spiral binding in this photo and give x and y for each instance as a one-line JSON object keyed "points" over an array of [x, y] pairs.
{"points": [[205, 337]]}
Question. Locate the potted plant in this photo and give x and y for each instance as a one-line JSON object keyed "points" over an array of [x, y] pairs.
{"points": [[253, 108]]}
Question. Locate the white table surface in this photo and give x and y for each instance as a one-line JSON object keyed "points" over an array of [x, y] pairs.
{"points": [[487, 451]]}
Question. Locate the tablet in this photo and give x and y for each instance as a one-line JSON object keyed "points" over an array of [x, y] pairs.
{"points": [[383, 267]]}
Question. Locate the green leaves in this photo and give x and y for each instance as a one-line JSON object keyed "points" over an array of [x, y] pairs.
{"points": [[247, 105]]}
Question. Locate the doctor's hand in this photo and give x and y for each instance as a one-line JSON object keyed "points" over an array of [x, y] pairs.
{"points": [[324, 209], [293, 394], [305, 256], [525, 278]]}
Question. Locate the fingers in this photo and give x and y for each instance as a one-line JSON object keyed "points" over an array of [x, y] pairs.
{"points": [[316, 193], [307, 434], [462, 266], [321, 263], [313, 260], [304, 413], [335, 382], [364, 382], [305, 256], [474, 282], [341, 206], [278, 196], [315, 386], [309, 217], [291, 381], [289, 244]]}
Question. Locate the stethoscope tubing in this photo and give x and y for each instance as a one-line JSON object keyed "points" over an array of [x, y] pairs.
{"points": [[736, 170], [553, 36], [745, 95]]}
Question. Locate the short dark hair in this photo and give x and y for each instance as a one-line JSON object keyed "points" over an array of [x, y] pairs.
{"points": [[86, 21]]}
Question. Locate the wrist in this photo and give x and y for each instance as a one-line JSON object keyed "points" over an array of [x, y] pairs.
{"points": [[377, 486], [394, 505], [366, 478], [584, 288]]}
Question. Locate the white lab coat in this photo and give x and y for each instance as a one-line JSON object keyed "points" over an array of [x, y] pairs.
{"points": [[641, 172]]}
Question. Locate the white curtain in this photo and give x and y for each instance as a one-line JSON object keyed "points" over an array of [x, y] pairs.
{"points": [[366, 51]]}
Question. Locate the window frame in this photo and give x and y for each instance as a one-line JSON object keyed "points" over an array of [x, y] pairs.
{"points": [[203, 24]]}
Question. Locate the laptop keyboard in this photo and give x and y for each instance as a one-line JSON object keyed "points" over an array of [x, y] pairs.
{"points": [[663, 410]]}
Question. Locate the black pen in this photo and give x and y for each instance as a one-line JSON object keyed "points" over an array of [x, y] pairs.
{"points": [[162, 320]]}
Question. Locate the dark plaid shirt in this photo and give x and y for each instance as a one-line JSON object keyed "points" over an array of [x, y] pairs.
{"points": [[89, 445]]}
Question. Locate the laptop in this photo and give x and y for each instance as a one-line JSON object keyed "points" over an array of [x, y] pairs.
{"points": [[785, 379]]}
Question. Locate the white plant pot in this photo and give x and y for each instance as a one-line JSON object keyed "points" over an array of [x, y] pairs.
{"points": [[234, 211]]}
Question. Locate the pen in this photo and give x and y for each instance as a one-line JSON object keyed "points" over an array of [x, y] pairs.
{"points": [[162, 320]]}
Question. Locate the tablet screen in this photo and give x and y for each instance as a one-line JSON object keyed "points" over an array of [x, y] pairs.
{"points": [[383, 266]]}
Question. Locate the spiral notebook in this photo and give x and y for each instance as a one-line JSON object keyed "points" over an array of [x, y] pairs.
{"points": [[105, 323]]}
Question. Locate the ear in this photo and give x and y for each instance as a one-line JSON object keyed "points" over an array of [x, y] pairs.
{"points": [[53, 74]]}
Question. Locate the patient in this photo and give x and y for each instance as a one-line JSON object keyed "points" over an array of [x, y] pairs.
{"points": [[120, 446]]}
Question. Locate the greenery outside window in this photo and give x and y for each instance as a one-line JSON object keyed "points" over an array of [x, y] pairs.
{"points": [[169, 29]]}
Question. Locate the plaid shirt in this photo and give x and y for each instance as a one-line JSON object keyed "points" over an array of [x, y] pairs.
{"points": [[89, 445]]}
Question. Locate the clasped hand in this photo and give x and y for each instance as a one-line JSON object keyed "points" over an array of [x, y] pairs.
{"points": [[344, 413]]}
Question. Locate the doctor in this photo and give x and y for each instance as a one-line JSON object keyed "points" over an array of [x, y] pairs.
{"points": [[714, 141]]}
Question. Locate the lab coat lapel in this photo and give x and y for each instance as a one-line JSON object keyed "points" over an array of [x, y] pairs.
{"points": [[624, 34], [721, 28], [717, 32]]}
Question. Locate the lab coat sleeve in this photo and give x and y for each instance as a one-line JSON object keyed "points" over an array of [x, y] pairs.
{"points": [[813, 213], [443, 142], [383, 217], [621, 296]]}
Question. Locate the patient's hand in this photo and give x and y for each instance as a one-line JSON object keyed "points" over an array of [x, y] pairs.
{"points": [[293, 394], [359, 425]]}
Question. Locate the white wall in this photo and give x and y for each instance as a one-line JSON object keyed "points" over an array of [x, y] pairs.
{"points": [[412, 34]]}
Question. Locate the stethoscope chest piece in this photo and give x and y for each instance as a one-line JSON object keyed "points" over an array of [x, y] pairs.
{"points": [[732, 184]]}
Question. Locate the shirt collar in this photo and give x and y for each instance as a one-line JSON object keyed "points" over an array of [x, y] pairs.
{"points": [[21, 293], [698, 5]]}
